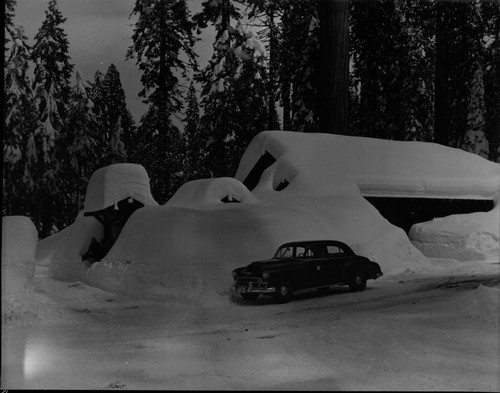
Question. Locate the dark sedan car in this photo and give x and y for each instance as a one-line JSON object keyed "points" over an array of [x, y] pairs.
{"points": [[303, 266]]}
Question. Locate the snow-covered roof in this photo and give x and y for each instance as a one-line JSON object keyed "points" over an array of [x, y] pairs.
{"points": [[111, 184], [206, 192], [380, 167]]}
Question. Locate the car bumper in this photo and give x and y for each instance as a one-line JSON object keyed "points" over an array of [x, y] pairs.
{"points": [[251, 289]]}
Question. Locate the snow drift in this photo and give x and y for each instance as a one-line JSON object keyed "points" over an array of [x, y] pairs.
{"points": [[185, 250], [19, 303], [19, 240], [466, 237]]}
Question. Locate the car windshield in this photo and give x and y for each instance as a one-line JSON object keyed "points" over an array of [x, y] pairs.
{"points": [[284, 253]]}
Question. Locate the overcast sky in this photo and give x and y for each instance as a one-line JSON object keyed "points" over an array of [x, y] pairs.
{"points": [[99, 33]]}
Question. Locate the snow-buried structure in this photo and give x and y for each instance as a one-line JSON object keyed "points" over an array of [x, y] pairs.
{"points": [[408, 182], [306, 186]]}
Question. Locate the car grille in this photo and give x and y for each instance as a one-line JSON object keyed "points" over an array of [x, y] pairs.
{"points": [[256, 282]]}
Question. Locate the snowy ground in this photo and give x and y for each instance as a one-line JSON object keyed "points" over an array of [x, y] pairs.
{"points": [[430, 331], [427, 324]]}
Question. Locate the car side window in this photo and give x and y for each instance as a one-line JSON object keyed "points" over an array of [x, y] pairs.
{"points": [[309, 254], [300, 252], [334, 251], [317, 251], [286, 252]]}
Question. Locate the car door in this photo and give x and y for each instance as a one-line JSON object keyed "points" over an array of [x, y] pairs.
{"points": [[336, 261], [304, 272], [318, 259]]}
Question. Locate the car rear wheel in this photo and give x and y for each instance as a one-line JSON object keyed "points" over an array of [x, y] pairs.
{"points": [[284, 292], [358, 283], [249, 296]]}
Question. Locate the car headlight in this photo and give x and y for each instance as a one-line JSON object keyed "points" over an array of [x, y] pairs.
{"points": [[265, 275], [235, 274]]}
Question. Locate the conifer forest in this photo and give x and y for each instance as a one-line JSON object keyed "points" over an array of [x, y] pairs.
{"points": [[392, 69]]}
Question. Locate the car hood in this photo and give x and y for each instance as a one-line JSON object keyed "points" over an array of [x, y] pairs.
{"points": [[268, 264]]}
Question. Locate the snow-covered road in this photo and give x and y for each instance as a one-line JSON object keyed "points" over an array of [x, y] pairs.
{"points": [[402, 333]]}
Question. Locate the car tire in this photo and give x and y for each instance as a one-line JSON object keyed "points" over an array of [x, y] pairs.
{"points": [[249, 296], [358, 283], [284, 292]]}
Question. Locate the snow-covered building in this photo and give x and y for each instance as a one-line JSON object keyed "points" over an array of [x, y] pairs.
{"points": [[113, 194], [408, 182]]}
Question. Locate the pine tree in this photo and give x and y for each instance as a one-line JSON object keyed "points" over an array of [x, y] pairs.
{"points": [[160, 152], [413, 85], [52, 93], [9, 27], [234, 96], [129, 134], [19, 121], [265, 15], [97, 95], [80, 163], [162, 39], [371, 30], [299, 58], [475, 139], [491, 68], [219, 104], [393, 74], [194, 151], [118, 153], [113, 112], [52, 68], [458, 35]]}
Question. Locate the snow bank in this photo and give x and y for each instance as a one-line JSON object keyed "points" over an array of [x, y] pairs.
{"points": [[473, 236], [66, 253], [383, 167], [111, 184], [19, 239], [483, 303], [22, 303]]}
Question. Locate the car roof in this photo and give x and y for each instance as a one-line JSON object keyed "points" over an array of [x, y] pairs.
{"points": [[314, 242]]}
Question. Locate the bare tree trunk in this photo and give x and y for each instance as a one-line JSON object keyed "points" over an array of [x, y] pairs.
{"points": [[333, 89]]}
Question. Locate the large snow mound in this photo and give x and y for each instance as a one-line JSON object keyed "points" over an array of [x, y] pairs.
{"points": [[473, 236], [382, 167], [20, 305], [19, 240], [111, 184], [185, 250]]}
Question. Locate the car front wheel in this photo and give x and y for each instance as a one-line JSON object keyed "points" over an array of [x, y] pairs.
{"points": [[249, 296], [358, 283], [284, 292]]}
